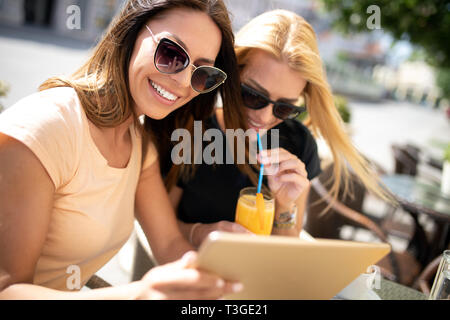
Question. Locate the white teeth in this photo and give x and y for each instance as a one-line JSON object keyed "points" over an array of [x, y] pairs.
{"points": [[254, 123], [163, 93]]}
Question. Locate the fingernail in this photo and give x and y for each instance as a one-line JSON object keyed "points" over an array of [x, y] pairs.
{"points": [[237, 287], [220, 283], [189, 257]]}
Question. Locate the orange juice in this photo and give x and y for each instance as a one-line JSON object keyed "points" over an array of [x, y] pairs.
{"points": [[248, 216]]}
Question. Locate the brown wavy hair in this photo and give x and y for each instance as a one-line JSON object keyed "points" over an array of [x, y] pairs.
{"points": [[201, 107], [102, 82]]}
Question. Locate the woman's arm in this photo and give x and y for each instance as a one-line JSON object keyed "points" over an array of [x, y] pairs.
{"points": [[301, 207], [195, 233], [26, 198], [175, 195], [174, 281], [288, 181], [157, 217]]}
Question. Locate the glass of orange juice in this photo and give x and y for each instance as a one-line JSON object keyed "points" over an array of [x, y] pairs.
{"points": [[247, 213]]}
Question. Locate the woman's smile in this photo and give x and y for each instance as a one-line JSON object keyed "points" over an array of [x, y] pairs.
{"points": [[162, 94], [259, 125], [157, 94]]}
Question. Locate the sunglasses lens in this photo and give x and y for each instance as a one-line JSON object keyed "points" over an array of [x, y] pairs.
{"points": [[205, 79], [252, 100], [284, 111], [170, 57]]}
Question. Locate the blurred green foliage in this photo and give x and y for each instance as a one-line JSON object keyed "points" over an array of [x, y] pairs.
{"points": [[341, 104], [4, 89], [447, 153], [302, 116], [443, 81], [424, 23]]}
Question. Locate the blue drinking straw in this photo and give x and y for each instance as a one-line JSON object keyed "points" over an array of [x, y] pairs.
{"points": [[262, 165]]}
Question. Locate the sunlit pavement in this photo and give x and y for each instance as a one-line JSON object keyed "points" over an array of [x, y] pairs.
{"points": [[376, 126]]}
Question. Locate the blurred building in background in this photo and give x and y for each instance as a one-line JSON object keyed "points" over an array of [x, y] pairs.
{"points": [[349, 60], [96, 14], [59, 15], [357, 65], [365, 65], [243, 11], [412, 81]]}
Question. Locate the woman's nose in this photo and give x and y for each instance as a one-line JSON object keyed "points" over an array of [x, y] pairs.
{"points": [[183, 78], [265, 114]]}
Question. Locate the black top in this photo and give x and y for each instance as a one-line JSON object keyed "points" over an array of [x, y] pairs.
{"points": [[211, 194]]}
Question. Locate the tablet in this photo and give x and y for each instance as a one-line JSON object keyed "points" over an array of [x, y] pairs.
{"points": [[287, 268]]}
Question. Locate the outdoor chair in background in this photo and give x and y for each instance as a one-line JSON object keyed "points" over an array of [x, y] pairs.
{"points": [[401, 267], [416, 161], [435, 163], [329, 225], [388, 222], [425, 280], [406, 159], [385, 217], [413, 160], [143, 256]]}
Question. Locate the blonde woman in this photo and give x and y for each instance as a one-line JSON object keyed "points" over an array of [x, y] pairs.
{"points": [[75, 163], [281, 76]]}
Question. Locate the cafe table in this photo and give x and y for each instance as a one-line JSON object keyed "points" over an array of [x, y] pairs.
{"points": [[387, 290], [416, 196]]}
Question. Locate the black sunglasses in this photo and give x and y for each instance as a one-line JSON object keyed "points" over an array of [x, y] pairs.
{"points": [[255, 100], [171, 58]]}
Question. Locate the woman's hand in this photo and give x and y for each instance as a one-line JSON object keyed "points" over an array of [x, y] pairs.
{"points": [[180, 280], [287, 176], [202, 230]]}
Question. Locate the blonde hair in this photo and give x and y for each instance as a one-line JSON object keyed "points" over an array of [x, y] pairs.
{"points": [[290, 38]]}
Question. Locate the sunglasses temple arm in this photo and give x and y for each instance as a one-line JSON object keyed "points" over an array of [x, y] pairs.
{"points": [[153, 36]]}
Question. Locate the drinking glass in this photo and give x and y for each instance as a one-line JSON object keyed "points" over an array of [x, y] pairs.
{"points": [[441, 284], [247, 213]]}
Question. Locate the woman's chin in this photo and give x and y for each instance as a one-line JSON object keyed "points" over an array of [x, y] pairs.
{"points": [[157, 116], [155, 112]]}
